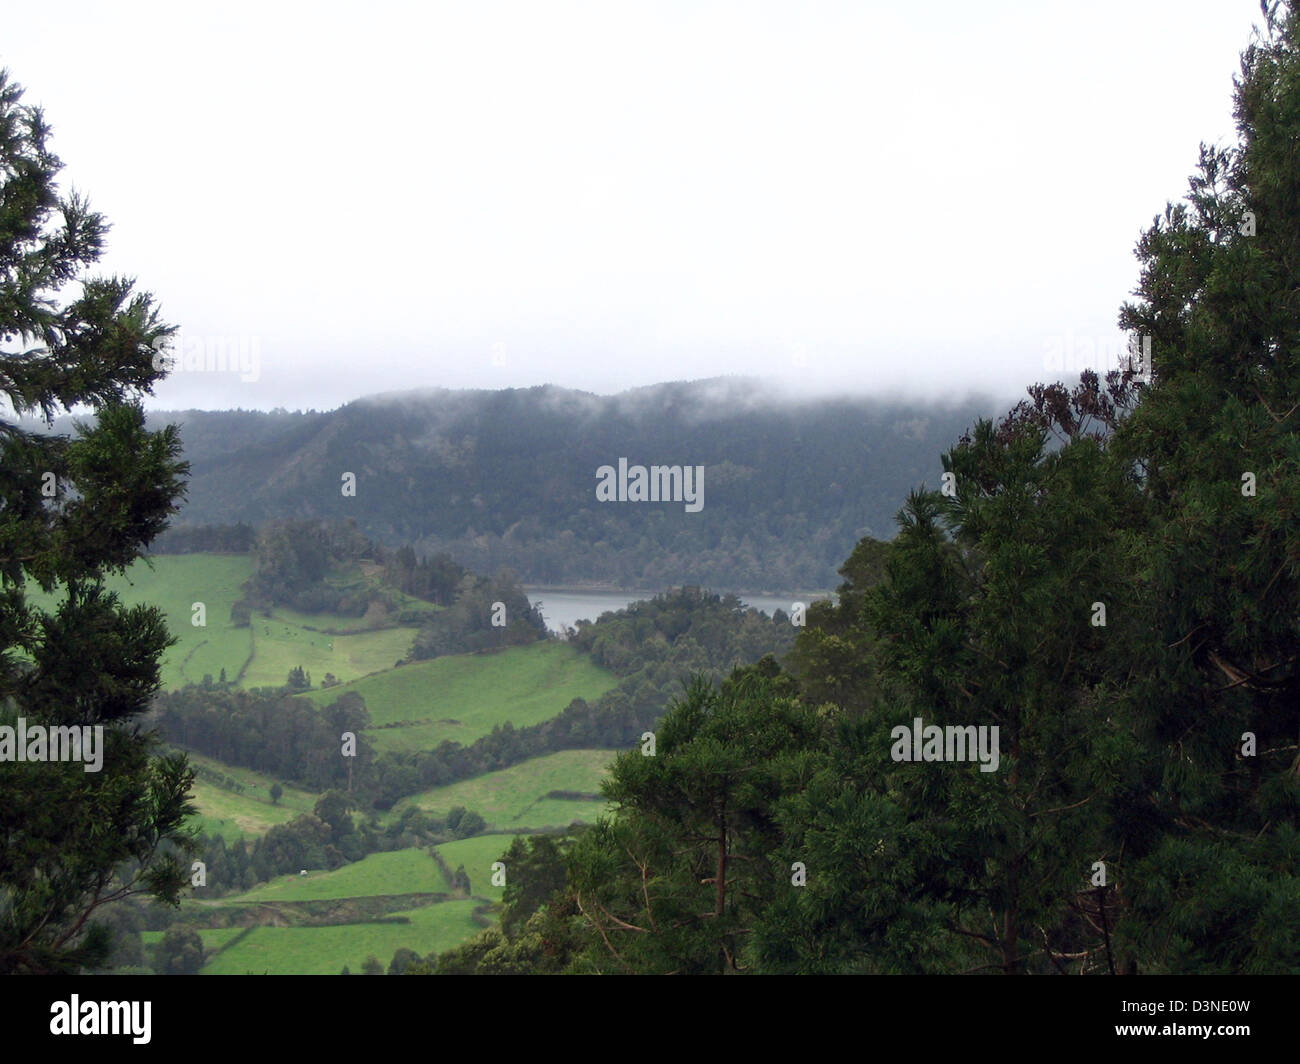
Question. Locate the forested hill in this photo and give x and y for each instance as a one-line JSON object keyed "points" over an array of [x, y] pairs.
{"points": [[508, 478]]}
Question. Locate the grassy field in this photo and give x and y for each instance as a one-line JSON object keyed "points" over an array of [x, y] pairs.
{"points": [[410, 871], [173, 583], [279, 645], [325, 950], [515, 797], [477, 855], [463, 696], [257, 785], [242, 814], [459, 698], [397, 872], [232, 816], [275, 644], [289, 638]]}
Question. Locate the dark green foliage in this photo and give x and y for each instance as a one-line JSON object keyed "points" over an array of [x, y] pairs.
{"points": [[472, 621], [402, 960], [126, 920], [334, 809], [656, 642], [178, 952], [1121, 743], [508, 478], [301, 843], [540, 932], [204, 539], [327, 838], [940, 866], [269, 731], [292, 558], [434, 579], [676, 882], [1216, 890], [1124, 743], [832, 652], [470, 824], [537, 873], [73, 508]]}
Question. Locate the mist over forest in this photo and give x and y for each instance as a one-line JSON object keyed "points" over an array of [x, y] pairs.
{"points": [[507, 479], [278, 691]]}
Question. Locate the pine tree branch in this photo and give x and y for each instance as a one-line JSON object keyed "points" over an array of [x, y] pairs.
{"points": [[621, 923], [645, 891], [1276, 419], [1187, 636], [1250, 679], [577, 895], [993, 942], [1063, 808]]}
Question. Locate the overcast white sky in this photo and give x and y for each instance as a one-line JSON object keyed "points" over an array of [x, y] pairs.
{"points": [[867, 196]]}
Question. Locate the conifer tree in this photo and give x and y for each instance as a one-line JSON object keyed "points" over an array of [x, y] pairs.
{"points": [[1125, 603], [73, 509], [1216, 444], [982, 619], [674, 883]]}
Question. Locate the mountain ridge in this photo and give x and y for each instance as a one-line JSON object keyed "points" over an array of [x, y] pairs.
{"points": [[506, 478]]}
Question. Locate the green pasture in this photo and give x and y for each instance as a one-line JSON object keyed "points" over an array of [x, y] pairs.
{"points": [[462, 697], [265, 650], [325, 950], [279, 645], [514, 797], [246, 813], [477, 854], [174, 583], [409, 871]]}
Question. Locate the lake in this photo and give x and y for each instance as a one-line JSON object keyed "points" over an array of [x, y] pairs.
{"points": [[565, 608]]}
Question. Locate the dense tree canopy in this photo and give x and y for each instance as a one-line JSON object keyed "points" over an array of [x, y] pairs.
{"points": [[1110, 578]]}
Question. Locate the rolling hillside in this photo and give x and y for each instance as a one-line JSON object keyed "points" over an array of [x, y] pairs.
{"points": [[518, 797], [507, 478], [260, 654], [325, 920], [462, 697], [318, 923]]}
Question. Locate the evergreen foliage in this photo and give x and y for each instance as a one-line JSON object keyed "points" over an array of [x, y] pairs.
{"points": [[1114, 584], [72, 509]]}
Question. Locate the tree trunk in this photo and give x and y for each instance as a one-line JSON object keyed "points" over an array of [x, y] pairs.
{"points": [[720, 905], [1011, 928]]}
